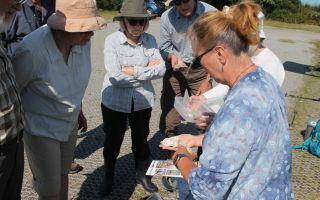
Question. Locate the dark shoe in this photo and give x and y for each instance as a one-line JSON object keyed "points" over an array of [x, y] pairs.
{"points": [[169, 184], [146, 183], [106, 187], [75, 168]]}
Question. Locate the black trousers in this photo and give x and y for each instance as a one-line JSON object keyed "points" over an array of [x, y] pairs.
{"points": [[115, 127], [11, 170]]}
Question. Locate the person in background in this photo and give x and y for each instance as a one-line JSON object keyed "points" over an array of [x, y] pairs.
{"points": [[132, 60], [11, 116], [247, 147], [52, 87], [175, 48], [34, 13]]}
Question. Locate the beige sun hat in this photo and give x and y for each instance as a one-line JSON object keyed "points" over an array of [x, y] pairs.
{"points": [[134, 8], [76, 16]]}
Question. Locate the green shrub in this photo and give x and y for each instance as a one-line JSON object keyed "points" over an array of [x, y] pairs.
{"points": [[108, 4]]}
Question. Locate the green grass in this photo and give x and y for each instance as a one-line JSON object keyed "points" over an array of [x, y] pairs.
{"points": [[316, 52], [287, 41], [304, 27]]}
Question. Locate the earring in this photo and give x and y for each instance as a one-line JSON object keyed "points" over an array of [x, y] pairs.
{"points": [[222, 66]]}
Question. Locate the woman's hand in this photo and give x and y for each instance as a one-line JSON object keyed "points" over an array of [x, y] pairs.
{"points": [[128, 70], [195, 102], [82, 122], [204, 87], [164, 147], [183, 150], [153, 62], [205, 120], [177, 62], [189, 140]]}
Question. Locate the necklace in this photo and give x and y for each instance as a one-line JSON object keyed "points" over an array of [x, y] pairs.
{"points": [[239, 75]]}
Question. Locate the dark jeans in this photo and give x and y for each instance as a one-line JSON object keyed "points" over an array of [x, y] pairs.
{"points": [[11, 170], [175, 83], [115, 128]]}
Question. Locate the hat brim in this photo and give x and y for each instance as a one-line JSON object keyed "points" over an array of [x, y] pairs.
{"points": [[60, 22], [148, 16]]}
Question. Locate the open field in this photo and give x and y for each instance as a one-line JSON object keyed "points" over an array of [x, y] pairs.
{"points": [[304, 27]]}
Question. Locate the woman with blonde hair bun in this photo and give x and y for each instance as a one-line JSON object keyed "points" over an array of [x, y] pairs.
{"points": [[249, 17], [247, 147]]}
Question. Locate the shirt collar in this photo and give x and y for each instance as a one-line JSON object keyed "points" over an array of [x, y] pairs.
{"points": [[197, 12], [52, 48], [122, 37]]}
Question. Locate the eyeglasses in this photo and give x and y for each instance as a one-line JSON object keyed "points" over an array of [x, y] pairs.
{"points": [[197, 60], [135, 22], [179, 2]]}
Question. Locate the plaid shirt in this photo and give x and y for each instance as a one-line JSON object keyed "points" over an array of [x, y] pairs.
{"points": [[11, 122]]}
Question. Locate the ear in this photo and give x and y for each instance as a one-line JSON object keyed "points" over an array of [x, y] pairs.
{"points": [[221, 54]]}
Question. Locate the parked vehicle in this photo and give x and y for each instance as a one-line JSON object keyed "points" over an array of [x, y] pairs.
{"points": [[155, 6]]}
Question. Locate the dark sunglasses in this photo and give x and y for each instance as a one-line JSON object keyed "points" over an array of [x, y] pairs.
{"points": [[135, 22], [196, 62], [179, 2]]}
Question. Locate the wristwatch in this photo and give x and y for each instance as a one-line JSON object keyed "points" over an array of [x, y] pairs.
{"points": [[178, 157]]}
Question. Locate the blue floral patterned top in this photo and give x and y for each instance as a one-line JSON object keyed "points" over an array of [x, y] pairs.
{"points": [[247, 147]]}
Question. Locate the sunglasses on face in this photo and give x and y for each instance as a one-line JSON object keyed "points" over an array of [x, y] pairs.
{"points": [[179, 2], [135, 22], [197, 60]]}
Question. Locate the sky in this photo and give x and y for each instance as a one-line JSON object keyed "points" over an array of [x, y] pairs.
{"points": [[311, 2]]}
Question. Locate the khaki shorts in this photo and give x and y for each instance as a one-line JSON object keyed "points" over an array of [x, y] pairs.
{"points": [[48, 160]]}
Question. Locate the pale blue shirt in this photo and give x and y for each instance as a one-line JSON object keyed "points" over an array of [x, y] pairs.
{"points": [[119, 88], [51, 90], [173, 31], [247, 147]]}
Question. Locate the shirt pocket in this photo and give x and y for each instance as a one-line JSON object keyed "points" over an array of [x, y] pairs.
{"points": [[149, 52], [126, 58]]}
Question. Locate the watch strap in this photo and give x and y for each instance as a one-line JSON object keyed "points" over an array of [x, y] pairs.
{"points": [[178, 157]]}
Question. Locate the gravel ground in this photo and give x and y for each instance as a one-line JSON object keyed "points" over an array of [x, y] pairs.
{"points": [[292, 47]]}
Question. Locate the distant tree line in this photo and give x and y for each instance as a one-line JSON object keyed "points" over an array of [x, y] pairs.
{"points": [[109, 4], [292, 11]]}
